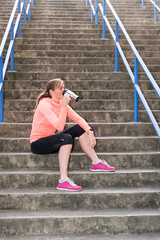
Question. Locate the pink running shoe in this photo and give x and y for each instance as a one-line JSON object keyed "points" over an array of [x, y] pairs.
{"points": [[68, 185], [102, 165]]}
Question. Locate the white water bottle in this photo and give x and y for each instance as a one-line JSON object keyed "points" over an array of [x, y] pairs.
{"points": [[73, 96]]}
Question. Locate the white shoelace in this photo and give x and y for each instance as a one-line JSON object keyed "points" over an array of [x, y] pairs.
{"points": [[104, 162], [68, 180]]}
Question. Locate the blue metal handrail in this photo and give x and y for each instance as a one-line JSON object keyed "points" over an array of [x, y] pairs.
{"points": [[155, 8], [137, 59], [10, 52]]}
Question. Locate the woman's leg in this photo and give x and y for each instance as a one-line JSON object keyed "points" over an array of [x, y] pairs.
{"points": [[77, 131], [51, 144], [83, 141], [97, 164], [64, 154]]}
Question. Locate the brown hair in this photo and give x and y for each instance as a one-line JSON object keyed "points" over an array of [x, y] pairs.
{"points": [[51, 85]]}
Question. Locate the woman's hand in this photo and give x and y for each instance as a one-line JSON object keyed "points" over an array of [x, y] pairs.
{"points": [[91, 138], [66, 99]]}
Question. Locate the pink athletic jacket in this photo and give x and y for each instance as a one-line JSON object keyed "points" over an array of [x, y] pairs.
{"points": [[50, 116]]}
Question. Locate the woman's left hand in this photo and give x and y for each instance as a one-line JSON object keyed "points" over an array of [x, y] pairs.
{"points": [[91, 138]]}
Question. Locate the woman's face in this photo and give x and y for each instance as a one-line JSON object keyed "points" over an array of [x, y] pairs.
{"points": [[57, 93]]}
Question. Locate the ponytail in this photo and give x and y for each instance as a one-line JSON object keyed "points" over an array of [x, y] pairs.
{"points": [[44, 94], [51, 85]]}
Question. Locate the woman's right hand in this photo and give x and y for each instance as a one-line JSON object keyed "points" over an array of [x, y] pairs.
{"points": [[66, 99]]}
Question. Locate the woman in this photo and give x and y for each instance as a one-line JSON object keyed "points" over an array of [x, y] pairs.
{"points": [[50, 116]]}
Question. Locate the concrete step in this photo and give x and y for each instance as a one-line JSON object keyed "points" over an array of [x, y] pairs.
{"points": [[94, 116], [47, 29], [110, 84], [69, 68], [75, 17], [68, 60], [18, 130], [79, 161], [138, 236], [148, 48], [76, 53], [78, 68], [31, 179], [50, 199], [147, 53], [56, 47], [63, 31], [64, 53], [69, 222], [35, 41], [60, 24], [83, 42], [109, 144], [78, 8], [91, 94], [69, 76], [64, 36], [83, 104], [81, 47], [129, 24], [95, 35], [78, 60]]}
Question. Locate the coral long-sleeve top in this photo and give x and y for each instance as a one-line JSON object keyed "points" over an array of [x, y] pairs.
{"points": [[50, 116]]}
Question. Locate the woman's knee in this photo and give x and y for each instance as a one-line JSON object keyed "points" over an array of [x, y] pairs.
{"points": [[66, 139]]}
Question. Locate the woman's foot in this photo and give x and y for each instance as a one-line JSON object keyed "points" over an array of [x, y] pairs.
{"points": [[102, 165], [68, 185]]}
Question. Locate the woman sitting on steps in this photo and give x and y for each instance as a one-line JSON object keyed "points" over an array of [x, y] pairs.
{"points": [[50, 115]]}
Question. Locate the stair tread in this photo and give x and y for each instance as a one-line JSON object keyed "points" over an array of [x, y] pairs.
{"points": [[81, 153], [5, 214], [53, 191], [77, 172], [139, 236], [102, 137]]}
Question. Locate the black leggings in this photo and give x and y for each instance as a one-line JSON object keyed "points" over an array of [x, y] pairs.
{"points": [[52, 144]]}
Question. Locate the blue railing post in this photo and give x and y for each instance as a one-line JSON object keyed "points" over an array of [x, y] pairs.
{"points": [[142, 3], [116, 48], [91, 11], [12, 29], [24, 12], [19, 25], [12, 51], [1, 88], [32, 2], [86, 2], [135, 91], [96, 8], [104, 24], [29, 10], [155, 11]]}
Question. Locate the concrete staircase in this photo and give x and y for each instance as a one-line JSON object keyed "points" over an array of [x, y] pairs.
{"points": [[61, 42]]}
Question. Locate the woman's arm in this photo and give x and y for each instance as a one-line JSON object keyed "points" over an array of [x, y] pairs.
{"points": [[78, 119], [57, 122]]}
